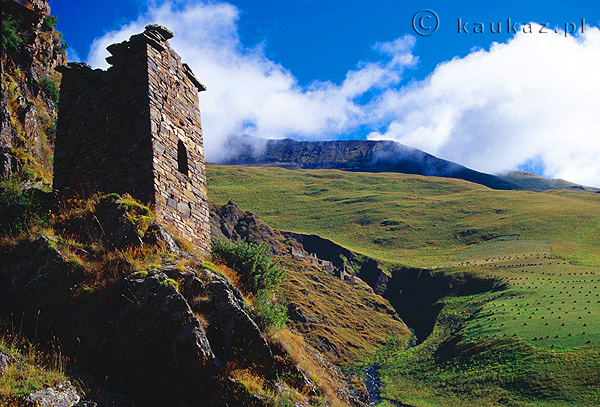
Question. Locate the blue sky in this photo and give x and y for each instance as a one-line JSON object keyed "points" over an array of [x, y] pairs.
{"points": [[322, 39], [381, 79]]}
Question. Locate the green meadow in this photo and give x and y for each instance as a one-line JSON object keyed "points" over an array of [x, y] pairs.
{"points": [[532, 341], [410, 219]]}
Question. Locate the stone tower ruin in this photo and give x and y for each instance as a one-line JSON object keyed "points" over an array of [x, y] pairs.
{"points": [[135, 128]]}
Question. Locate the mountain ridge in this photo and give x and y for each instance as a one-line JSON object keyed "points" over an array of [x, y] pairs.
{"points": [[373, 156]]}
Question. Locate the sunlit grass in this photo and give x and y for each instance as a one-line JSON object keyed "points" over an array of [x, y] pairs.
{"points": [[29, 370], [410, 219]]}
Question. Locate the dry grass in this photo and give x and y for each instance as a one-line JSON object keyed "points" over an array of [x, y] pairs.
{"points": [[273, 393], [140, 258], [32, 232], [355, 321], [233, 276], [253, 383], [30, 369], [204, 323], [184, 244], [77, 205], [108, 266], [306, 361]]}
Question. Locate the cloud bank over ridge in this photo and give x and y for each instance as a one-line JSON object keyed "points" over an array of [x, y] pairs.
{"points": [[529, 101]]}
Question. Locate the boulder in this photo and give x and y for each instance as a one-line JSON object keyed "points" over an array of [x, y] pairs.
{"points": [[5, 359], [158, 235], [161, 343], [232, 333], [239, 338], [117, 229], [61, 395]]}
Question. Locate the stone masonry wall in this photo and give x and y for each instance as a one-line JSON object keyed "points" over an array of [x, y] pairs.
{"points": [[175, 121], [103, 134], [135, 128]]}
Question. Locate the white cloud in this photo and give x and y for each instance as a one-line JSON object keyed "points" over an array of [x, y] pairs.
{"points": [[532, 99], [249, 94], [72, 55]]}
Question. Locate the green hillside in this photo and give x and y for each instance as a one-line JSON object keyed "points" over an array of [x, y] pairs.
{"points": [[410, 219], [531, 339]]}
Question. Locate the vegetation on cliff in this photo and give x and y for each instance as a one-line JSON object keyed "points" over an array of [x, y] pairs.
{"points": [[31, 49], [261, 275]]}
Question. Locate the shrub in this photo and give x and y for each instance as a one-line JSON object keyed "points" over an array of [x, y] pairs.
{"points": [[49, 23], [262, 274], [21, 209], [10, 33], [253, 262], [269, 311], [51, 89]]}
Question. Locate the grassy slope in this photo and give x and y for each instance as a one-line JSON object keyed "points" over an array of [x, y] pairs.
{"points": [[410, 219], [504, 348], [348, 321]]}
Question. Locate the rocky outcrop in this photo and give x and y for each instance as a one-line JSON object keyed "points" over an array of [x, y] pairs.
{"points": [[138, 333], [239, 336], [61, 395], [231, 332], [231, 222], [161, 337], [5, 359], [29, 90]]}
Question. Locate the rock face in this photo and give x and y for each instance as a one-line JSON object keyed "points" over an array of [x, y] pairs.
{"points": [[137, 334], [352, 155], [239, 336], [233, 223], [4, 361], [164, 343], [62, 395], [233, 336], [29, 90], [162, 337]]}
